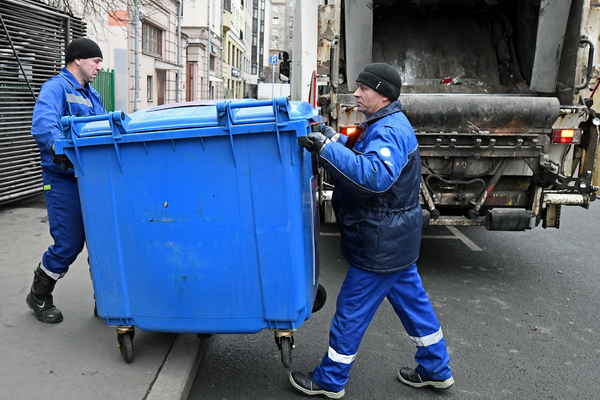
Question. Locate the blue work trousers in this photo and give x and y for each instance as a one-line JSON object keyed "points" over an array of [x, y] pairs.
{"points": [[359, 299], [65, 220]]}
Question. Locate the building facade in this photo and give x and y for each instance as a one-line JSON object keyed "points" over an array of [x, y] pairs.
{"points": [[233, 48], [280, 35], [203, 66]]}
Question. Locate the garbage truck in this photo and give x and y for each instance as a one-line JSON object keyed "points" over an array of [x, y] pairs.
{"points": [[499, 92]]}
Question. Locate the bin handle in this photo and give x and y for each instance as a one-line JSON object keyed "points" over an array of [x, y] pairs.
{"points": [[280, 112], [118, 119], [278, 103]]}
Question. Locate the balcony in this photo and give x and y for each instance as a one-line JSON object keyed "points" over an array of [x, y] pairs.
{"points": [[226, 21]]}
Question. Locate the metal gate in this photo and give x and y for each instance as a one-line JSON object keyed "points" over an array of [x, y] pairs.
{"points": [[32, 45], [105, 85]]}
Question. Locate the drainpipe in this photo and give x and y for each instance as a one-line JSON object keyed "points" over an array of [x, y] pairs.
{"points": [[208, 51], [179, 12], [222, 45], [136, 98]]}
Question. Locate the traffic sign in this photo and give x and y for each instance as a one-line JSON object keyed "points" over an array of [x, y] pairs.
{"points": [[273, 59]]}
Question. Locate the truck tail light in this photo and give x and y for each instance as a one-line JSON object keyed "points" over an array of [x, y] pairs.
{"points": [[348, 130], [566, 136]]}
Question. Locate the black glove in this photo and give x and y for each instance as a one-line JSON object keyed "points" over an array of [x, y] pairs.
{"points": [[64, 160], [314, 142], [330, 133]]}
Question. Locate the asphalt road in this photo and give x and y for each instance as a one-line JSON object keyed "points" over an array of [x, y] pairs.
{"points": [[519, 311]]}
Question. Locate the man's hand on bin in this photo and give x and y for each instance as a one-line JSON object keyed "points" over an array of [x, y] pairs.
{"points": [[330, 133], [64, 160], [314, 142]]}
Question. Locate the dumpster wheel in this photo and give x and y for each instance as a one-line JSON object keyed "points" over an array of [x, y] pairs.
{"points": [[125, 337], [286, 351], [320, 298], [285, 342]]}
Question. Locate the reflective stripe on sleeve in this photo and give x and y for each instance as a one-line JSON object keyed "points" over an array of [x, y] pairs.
{"points": [[73, 98], [340, 358], [429, 339]]}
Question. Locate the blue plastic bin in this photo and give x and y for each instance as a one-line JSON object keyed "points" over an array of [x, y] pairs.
{"points": [[199, 217]]}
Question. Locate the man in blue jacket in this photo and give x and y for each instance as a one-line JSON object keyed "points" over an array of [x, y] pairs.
{"points": [[68, 93], [376, 203]]}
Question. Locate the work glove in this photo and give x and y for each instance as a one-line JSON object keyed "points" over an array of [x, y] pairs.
{"points": [[314, 142], [330, 133], [64, 160]]}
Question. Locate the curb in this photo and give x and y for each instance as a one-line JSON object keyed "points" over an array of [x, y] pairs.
{"points": [[176, 376]]}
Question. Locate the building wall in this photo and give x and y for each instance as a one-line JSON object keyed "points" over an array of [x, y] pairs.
{"points": [[280, 34], [233, 49], [203, 68]]}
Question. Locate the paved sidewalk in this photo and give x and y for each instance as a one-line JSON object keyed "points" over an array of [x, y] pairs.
{"points": [[77, 358]]}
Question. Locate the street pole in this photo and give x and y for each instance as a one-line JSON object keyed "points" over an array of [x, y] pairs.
{"points": [[136, 92], [273, 85]]}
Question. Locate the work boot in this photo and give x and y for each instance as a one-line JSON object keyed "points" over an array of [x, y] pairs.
{"points": [[412, 378], [304, 384], [40, 298]]}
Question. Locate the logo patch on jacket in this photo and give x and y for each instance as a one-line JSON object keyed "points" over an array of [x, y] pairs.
{"points": [[384, 151]]}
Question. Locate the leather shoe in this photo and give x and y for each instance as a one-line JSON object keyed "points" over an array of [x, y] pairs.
{"points": [[304, 384], [411, 377]]}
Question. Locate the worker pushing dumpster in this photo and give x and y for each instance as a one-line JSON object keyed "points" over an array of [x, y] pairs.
{"points": [[200, 217]]}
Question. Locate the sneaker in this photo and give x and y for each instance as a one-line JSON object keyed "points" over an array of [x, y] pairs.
{"points": [[304, 384], [412, 378]]}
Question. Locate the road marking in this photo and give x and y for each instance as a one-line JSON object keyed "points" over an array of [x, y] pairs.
{"points": [[456, 234]]}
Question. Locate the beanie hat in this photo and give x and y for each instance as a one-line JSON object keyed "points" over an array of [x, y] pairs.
{"points": [[82, 48], [382, 78]]}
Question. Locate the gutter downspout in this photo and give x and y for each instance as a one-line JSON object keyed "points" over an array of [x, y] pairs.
{"points": [[222, 45], [178, 75], [136, 98], [208, 51]]}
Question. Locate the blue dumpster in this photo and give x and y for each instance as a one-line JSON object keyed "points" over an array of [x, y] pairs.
{"points": [[199, 217]]}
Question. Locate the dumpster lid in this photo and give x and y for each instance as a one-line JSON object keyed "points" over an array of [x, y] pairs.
{"points": [[198, 114]]}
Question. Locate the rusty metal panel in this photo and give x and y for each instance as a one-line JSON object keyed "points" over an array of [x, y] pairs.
{"points": [[570, 117], [32, 44], [325, 38], [552, 26]]}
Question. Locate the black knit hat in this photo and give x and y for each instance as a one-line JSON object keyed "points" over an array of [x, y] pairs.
{"points": [[383, 78], [82, 48]]}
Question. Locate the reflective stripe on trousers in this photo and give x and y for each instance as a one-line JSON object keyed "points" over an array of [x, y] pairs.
{"points": [[359, 299]]}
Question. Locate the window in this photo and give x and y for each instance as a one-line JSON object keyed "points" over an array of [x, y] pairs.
{"points": [[253, 68], [275, 32], [151, 39], [274, 44], [275, 21], [275, 9], [227, 5], [212, 62], [149, 88]]}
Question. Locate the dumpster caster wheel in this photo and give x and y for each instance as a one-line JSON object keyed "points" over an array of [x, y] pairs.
{"points": [[125, 339], [320, 298], [204, 336], [95, 310], [286, 351]]}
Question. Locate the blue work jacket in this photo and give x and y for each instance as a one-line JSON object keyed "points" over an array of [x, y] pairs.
{"points": [[376, 196], [60, 96]]}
